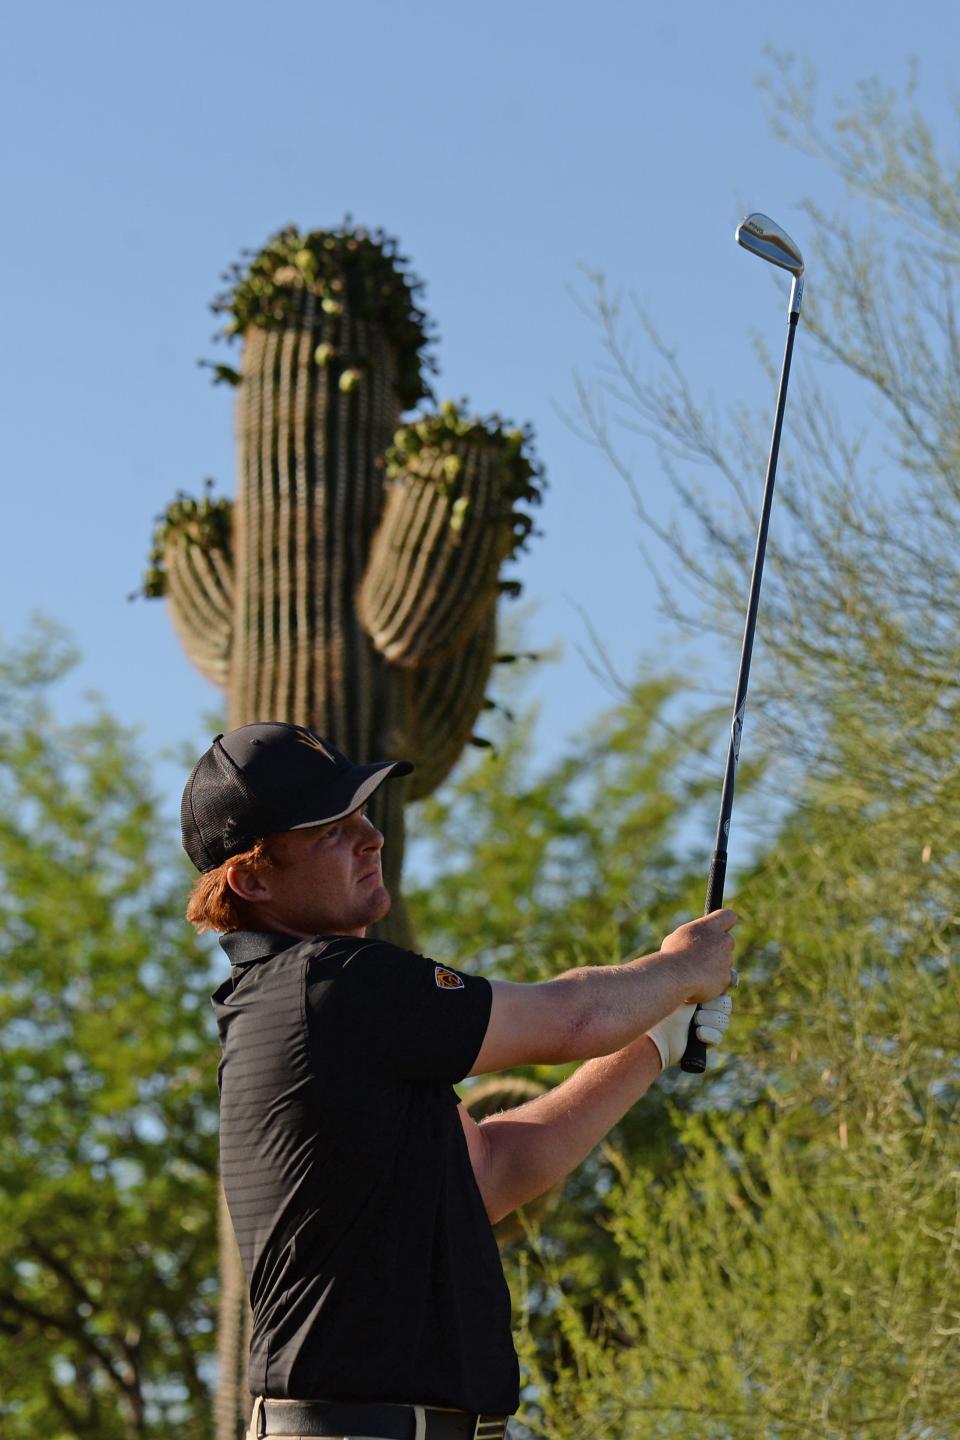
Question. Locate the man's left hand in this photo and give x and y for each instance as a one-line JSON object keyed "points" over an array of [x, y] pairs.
{"points": [[670, 1035]]}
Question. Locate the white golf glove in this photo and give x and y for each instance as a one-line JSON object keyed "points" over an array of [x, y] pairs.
{"points": [[670, 1035]]}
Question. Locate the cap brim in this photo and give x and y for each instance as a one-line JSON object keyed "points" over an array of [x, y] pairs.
{"points": [[358, 785]]}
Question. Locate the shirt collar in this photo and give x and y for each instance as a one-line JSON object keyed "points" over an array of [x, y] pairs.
{"points": [[244, 947]]}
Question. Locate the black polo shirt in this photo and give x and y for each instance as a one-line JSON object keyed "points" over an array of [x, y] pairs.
{"points": [[372, 1267]]}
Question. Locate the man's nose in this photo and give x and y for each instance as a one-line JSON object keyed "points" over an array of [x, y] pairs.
{"points": [[370, 837]]}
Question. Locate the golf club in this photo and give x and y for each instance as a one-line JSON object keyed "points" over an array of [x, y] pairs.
{"points": [[761, 236]]}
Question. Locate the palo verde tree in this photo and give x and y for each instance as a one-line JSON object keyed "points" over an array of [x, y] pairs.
{"points": [[352, 584], [797, 1274], [790, 1263], [108, 1153]]}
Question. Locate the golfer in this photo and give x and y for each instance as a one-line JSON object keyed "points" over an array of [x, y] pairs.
{"points": [[361, 1192]]}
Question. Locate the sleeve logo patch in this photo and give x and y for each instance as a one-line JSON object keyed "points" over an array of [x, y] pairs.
{"points": [[447, 979]]}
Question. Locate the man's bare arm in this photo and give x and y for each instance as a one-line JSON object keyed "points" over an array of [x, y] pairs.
{"points": [[521, 1153], [598, 1010]]}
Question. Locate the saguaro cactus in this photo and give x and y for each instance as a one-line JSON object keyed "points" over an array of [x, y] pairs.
{"points": [[352, 584]]}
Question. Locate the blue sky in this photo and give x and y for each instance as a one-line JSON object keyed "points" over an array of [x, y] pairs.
{"points": [[503, 144]]}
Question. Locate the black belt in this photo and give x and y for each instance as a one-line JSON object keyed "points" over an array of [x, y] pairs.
{"points": [[386, 1422]]}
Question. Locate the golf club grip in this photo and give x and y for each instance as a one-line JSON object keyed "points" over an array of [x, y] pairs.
{"points": [[695, 1056]]}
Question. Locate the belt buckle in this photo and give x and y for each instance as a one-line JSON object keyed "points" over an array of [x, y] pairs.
{"points": [[489, 1427]]}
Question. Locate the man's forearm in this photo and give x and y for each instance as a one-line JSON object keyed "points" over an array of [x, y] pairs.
{"points": [[527, 1150], [613, 1008], [587, 1013]]}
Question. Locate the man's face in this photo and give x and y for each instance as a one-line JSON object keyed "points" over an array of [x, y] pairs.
{"points": [[325, 880]]}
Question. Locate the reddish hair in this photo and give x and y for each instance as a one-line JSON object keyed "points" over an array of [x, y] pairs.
{"points": [[213, 905]]}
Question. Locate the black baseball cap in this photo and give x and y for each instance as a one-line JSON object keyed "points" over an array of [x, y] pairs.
{"points": [[267, 777]]}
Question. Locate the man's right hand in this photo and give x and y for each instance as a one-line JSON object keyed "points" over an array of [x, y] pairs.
{"points": [[703, 949]]}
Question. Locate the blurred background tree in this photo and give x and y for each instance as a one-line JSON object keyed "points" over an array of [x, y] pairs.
{"points": [[108, 1153], [794, 1269]]}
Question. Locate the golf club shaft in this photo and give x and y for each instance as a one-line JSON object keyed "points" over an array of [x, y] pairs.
{"points": [[695, 1056]]}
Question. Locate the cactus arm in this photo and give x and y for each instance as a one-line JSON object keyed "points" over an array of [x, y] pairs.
{"points": [[200, 606], [449, 522], [192, 565], [441, 582], [444, 701]]}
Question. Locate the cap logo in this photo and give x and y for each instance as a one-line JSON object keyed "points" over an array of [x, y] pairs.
{"points": [[305, 738], [447, 979]]}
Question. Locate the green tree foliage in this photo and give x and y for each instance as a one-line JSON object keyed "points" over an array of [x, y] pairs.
{"points": [[107, 1090], [797, 1273], [786, 1259]]}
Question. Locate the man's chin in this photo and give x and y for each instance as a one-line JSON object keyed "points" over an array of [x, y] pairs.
{"points": [[376, 907], [381, 903]]}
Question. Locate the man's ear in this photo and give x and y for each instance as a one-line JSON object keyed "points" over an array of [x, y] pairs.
{"points": [[248, 882]]}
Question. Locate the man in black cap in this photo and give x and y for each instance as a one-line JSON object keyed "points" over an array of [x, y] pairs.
{"points": [[361, 1192]]}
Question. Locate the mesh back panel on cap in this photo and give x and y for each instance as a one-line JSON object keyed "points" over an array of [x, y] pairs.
{"points": [[216, 791]]}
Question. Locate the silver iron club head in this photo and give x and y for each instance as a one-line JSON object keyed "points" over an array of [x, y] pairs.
{"points": [[763, 236]]}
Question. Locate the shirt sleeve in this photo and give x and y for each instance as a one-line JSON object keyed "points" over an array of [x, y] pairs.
{"points": [[414, 1018]]}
